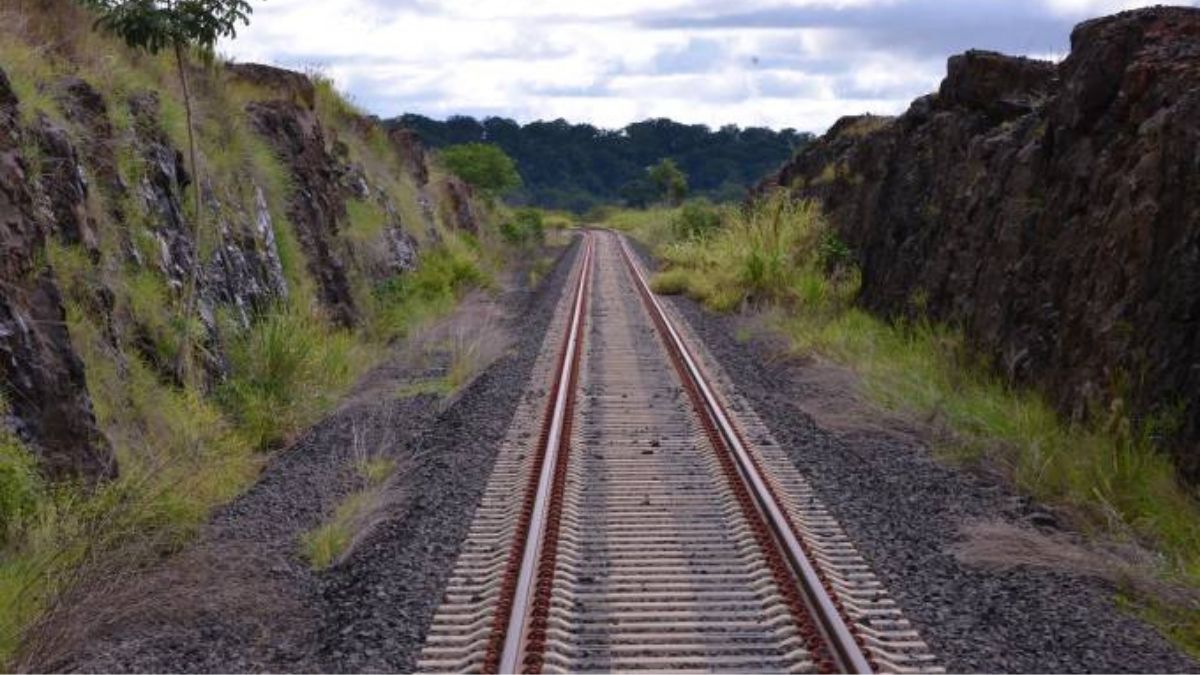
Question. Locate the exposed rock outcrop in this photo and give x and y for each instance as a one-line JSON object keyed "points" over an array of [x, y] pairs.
{"points": [[65, 186], [317, 204], [412, 154], [164, 178], [458, 205], [285, 84], [1052, 210], [121, 194], [44, 390]]}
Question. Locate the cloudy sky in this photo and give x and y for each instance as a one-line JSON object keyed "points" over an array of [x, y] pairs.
{"points": [[777, 63]]}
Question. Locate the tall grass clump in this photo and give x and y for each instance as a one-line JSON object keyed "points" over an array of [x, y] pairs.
{"points": [[286, 370], [20, 485], [766, 253]]}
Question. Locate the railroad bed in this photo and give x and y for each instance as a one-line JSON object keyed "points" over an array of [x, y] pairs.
{"points": [[640, 517]]}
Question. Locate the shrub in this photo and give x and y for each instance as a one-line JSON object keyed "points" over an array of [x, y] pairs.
{"points": [[696, 220], [525, 227]]}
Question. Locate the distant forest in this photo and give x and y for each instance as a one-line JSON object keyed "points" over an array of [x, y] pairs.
{"points": [[578, 166]]}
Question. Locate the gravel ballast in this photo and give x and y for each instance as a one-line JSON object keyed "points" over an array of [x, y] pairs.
{"points": [[380, 602]]}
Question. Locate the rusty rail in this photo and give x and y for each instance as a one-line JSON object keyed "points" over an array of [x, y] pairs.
{"points": [[535, 536], [821, 608]]}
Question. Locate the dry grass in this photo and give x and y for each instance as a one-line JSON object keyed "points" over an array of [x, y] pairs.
{"points": [[357, 515], [1126, 566], [467, 341], [227, 579]]}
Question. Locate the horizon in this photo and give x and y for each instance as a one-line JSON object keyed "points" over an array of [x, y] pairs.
{"points": [[801, 64], [622, 128]]}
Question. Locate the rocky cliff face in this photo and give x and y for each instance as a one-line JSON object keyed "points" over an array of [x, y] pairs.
{"points": [[1052, 210], [45, 396], [116, 190]]}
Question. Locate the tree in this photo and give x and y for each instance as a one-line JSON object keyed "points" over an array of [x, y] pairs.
{"points": [[572, 166], [483, 166], [179, 25], [670, 181]]}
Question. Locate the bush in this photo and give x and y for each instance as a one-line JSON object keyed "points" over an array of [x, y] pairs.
{"points": [[696, 220], [526, 227]]}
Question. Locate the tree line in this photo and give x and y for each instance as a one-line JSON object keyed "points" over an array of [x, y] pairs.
{"points": [[578, 166]]}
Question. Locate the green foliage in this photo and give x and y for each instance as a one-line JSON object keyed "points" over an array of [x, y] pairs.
{"points": [[366, 220], [402, 302], [834, 252], [484, 166], [526, 227], [764, 254], [1109, 471], [181, 450], [668, 180], [286, 370], [155, 25], [375, 470], [20, 485], [696, 220], [323, 545], [578, 166]]}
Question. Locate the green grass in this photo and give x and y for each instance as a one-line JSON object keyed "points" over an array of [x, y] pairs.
{"points": [[776, 252], [401, 303], [782, 258], [438, 386], [286, 371], [20, 485], [366, 221]]}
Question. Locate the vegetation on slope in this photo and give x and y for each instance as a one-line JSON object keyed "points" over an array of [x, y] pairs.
{"points": [[184, 448], [578, 166], [781, 257]]}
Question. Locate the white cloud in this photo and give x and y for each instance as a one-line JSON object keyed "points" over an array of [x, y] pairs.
{"points": [[1082, 8], [798, 63]]}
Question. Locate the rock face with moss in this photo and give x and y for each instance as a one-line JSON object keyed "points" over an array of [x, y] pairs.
{"points": [[45, 396], [1052, 210]]}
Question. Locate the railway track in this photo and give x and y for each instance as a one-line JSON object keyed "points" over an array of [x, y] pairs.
{"points": [[640, 517]]}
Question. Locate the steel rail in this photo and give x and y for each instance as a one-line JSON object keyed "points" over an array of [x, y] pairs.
{"points": [[512, 655], [836, 633]]}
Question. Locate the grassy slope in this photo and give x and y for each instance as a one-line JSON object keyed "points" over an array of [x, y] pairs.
{"points": [[183, 451], [781, 257]]}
